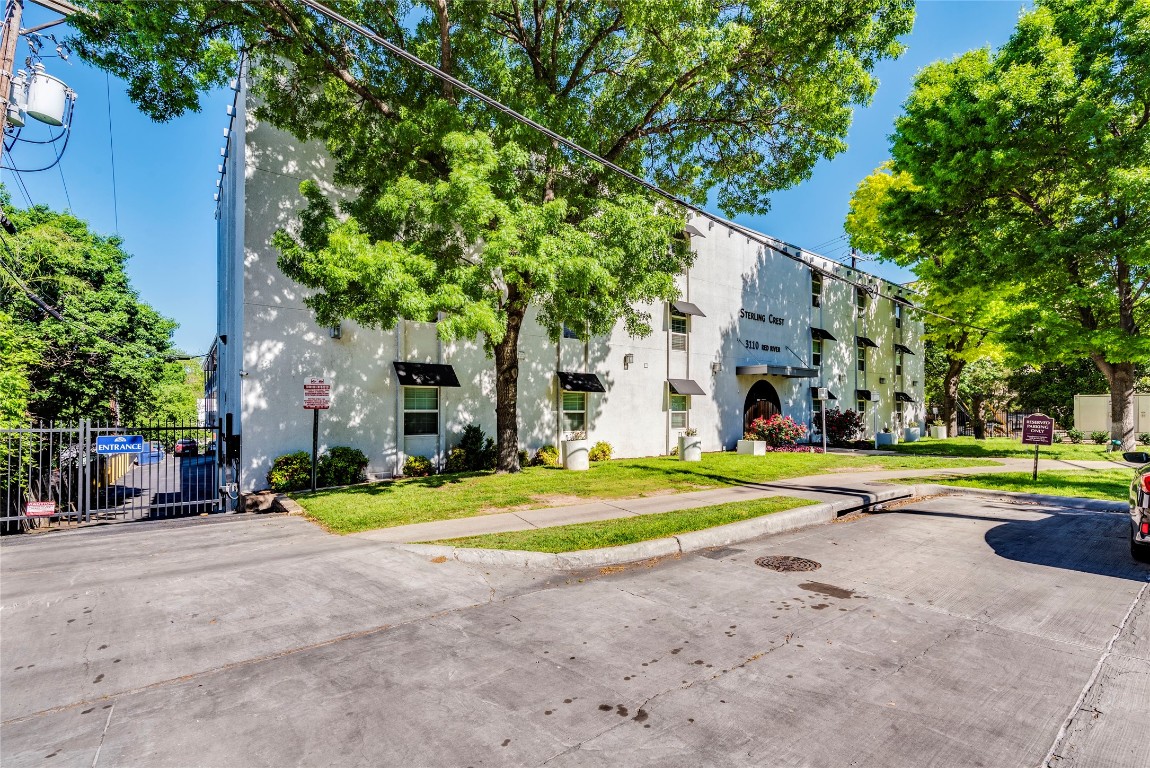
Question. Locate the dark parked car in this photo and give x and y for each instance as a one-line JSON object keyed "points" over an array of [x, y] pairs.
{"points": [[186, 446], [1140, 506]]}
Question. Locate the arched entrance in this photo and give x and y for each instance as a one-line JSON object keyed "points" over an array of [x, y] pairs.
{"points": [[762, 403]]}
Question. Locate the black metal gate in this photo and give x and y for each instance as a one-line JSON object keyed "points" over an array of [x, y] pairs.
{"points": [[62, 475]]}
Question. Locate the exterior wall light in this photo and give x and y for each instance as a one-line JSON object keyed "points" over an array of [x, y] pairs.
{"points": [[628, 359], [336, 331], [716, 367]]}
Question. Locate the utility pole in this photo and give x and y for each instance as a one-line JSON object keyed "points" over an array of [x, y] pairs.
{"points": [[13, 10]]}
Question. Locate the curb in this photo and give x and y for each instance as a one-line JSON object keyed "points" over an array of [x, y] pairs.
{"points": [[723, 535], [283, 504], [1069, 502]]}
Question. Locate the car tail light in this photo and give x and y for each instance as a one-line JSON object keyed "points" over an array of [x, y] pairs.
{"points": [[1146, 483], [1145, 528]]}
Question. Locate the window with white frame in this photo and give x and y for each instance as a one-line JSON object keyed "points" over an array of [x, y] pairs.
{"points": [[860, 351], [680, 404], [420, 411], [678, 331], [898, 314], [816, 415], [860, 406], [860, 299], [898, 411], [816, 352], [898, 362], [574, 411], [816, 289]]}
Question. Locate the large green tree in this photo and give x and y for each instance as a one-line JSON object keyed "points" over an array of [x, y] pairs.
{"points": [[463, 216], [1032, 165], [105, 359], [958, 316]]}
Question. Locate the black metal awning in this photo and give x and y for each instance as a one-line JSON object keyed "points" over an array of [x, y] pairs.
{"points": [[425, 375], [820, 334], [686, 308], [570, 381], [865, 394], [830, 395], [863, 341], [684, 387], [904, 349], [903, 397], [787, 371]]}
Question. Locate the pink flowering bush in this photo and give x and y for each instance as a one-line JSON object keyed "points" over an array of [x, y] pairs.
{"points": [[795, 449], [778, 431]]}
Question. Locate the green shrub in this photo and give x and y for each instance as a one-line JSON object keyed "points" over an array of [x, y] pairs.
{"points": [[417, 466], [1057, 438], [546, 456], [481, 452], [341, 466], [290, 472], [456, 461], [844, 426], [1075, 435], [1100, 437], [1144, 438], [601, 451], [524, 457]]}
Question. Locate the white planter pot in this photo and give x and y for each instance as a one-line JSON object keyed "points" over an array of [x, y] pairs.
{"points": [[886, 438], [753, 447], [911, 434], [690, 448], [938, 433], [575, 454]]}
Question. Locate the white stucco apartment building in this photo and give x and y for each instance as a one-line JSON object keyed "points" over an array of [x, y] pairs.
{"points": [[757, 328]]}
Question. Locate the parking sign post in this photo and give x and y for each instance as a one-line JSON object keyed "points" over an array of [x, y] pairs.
{"points": [[316, 398], [1037, 429]]}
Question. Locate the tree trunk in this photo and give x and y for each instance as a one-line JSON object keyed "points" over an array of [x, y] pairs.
{"points": [[977, 419], [507, 393], [1120, 377], [954, 368]]}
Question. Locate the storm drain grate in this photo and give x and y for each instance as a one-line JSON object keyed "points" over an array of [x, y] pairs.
{"points": [[787, 563]]}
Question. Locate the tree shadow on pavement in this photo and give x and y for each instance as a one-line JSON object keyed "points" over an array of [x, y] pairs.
{"points": [[1071, 539]]}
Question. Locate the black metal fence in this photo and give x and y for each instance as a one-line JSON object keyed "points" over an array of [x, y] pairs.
{"points": [[56, 475]]}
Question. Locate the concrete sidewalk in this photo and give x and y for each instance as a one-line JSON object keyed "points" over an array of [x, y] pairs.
{"points": [[829, 487]]}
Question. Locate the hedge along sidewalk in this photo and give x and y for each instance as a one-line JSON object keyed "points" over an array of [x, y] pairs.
{"points": [[480, 494]]}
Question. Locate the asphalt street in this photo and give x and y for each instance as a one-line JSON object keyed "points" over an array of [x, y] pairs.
{"points": [[947, 632]]}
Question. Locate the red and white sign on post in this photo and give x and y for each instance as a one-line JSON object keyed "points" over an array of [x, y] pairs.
{"points": [[316, 394]]}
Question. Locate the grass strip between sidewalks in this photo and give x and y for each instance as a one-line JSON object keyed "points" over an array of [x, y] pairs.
{"points": [[1003, 447], [1110, 484], [448, 497], [627, 530]]}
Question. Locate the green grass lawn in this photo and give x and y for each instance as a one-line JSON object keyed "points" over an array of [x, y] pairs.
{"points": [[627, 530], [445, 497], [1112, 484], [1003, 447]]}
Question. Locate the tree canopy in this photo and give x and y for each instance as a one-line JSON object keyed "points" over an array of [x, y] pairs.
{"points": [[108, 353], [462, 215], [1030, 166]]}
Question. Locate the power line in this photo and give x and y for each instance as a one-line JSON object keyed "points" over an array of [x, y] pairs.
{"points": [[779, 246], [20, 182], [68, 197], [112, 151]]}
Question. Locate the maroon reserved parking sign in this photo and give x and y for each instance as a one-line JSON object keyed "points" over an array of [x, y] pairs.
{"points": [[1037, 429]]}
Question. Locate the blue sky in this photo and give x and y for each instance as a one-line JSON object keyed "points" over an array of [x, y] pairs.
{"points": [[165, 173]]}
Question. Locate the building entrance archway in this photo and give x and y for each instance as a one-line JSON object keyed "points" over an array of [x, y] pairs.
{"points": [[762, 402]]}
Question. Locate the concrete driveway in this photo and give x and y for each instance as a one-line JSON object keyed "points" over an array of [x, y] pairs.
{"points": [[948, 632]]}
